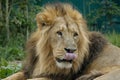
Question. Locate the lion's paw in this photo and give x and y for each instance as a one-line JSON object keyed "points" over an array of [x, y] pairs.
{"points": [[90, 76]]}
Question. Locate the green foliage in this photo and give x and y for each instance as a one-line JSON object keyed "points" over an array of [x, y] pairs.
{"points": [[21, 17], [11, 53], [13, 50], [114, 38], [7, 69], [104, 8], [102, 14]]}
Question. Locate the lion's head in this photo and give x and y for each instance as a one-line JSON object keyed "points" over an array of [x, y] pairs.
{"points": [[62, 38]]}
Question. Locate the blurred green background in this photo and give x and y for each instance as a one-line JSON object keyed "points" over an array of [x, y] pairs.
{"points": [[17, 21]]}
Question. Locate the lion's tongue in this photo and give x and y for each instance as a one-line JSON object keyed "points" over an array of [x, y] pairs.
{"points": [[70, 56]]}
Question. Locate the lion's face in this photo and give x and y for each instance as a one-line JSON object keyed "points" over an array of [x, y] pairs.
{"points": [[64, 38]]}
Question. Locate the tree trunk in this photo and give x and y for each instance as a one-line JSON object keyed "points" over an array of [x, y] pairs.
{"points": [[84, 8], [7, 20], [1, 17], [26, 14], [0, 9]]}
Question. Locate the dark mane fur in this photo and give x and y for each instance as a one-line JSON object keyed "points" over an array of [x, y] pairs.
{"points": [[31, 58], [97, 43]]}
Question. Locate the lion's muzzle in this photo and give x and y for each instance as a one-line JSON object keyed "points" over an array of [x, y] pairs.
{"points": [[69, 57], [72, 50]]}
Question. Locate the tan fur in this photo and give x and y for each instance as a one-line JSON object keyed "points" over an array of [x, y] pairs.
{"points": [[17, 76], [108, 60], [45, 45]]}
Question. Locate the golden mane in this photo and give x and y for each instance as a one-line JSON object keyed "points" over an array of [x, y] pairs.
{"points": [[40, 39], [50, 12]]}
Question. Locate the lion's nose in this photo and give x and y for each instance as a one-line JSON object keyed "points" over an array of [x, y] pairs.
{"points": [[70, 50]]}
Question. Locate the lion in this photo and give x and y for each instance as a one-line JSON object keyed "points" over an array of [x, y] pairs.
{"points": [[62, 48]]}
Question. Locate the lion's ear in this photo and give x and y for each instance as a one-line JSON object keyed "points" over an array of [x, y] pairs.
{"points": [[43, 20]]}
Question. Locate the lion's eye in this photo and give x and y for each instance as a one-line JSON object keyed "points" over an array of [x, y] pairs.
{"points": [[59, 33], [43, 24], [75, 34]]}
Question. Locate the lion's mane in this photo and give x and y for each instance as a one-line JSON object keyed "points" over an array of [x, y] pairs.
{"points": [[40, 60]]}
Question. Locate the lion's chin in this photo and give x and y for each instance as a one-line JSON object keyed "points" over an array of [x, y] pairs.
{"points": [[64, 65]]}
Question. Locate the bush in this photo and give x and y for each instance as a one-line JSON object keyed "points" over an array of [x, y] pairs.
{"points": [[114, 38], [7, 68]]}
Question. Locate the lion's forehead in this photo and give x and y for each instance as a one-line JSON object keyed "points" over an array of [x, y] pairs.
{"points": [[65, 24]]}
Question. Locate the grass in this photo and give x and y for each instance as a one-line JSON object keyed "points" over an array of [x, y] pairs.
{"points": [[7, 68], [10, 55], [114, 38], [14, 52]]}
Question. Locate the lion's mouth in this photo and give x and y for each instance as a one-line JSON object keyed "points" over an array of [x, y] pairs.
{"points": [[63, 60], [69, 57]]}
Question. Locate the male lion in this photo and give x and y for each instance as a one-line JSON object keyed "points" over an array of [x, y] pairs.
{"points": [[63, 49]]}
